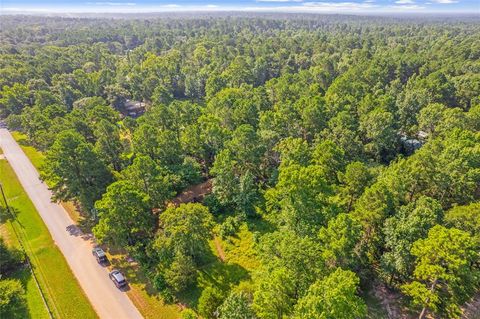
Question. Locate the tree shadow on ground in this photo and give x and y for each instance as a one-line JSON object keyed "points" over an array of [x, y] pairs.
{"points": [[215, 273], [84, 221], [212, 273], [23, 141], [5, 216], [11, 216], [130, 268], [24, 275], [260, 225]]}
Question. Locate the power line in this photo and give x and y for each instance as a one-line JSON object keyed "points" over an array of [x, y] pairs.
{"points": [[12, 215]]}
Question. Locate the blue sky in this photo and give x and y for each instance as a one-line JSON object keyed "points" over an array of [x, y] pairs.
{"points": [[312, 6]]}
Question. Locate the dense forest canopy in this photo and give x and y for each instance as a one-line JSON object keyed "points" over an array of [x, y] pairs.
{"points": [[348, 148]]}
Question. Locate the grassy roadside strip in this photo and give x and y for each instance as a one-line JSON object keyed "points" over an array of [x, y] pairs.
{"points": [[35, 306], [33, 154], [142, 294], [37, 158], [63, 293]]}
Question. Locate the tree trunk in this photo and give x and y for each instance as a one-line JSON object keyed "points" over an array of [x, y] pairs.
{"points": [[422, 314], [350, 203], [390, 281]]}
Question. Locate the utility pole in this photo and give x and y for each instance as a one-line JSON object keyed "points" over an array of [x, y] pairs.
{"points": [[12, 215], [5, 201]]}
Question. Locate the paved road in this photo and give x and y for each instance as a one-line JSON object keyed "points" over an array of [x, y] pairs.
{"points": [[108, 301]]}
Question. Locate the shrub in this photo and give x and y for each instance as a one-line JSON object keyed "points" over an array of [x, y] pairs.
{"points": [[12, 297], [188, 314], [9, 258], [209, 301], [230, 226]]}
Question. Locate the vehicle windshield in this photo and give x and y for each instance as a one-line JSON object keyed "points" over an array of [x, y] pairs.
{"points": [[99, 252], [118, 276]]}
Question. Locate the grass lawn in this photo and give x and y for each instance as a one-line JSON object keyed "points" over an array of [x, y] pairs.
{"points": [[32, 153], [231, 262], [35, 305], [239, 260], [64, 295], [142, 294], [239, 249]]}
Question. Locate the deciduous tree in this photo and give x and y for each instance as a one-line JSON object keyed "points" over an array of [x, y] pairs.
{"points": [[125, 217], [445, 273], [334, 297], [74, 171]]}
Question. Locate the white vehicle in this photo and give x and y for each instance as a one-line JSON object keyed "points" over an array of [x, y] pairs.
{"points": [[117, 278]]}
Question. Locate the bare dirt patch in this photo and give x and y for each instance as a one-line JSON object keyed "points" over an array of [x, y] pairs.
{"points": [[219, 249], [195, 193], [391, 302], [471, 310]]}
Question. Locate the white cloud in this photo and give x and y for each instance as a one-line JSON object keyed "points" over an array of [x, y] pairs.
{"points": [[23, 10], [112, 3], [170, 6], [318, 7], [279, 0], [299, 6], [339, 5], [413, 7], [445, 1]]}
